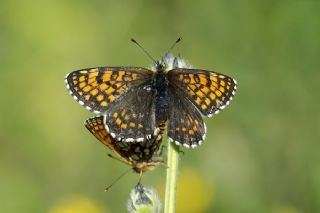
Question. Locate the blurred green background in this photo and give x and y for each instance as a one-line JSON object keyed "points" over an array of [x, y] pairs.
{"points": [[261, 153]]}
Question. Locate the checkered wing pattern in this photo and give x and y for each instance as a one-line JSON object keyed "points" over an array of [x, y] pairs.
{"points": [[96, 126], [133, 118], [185, 126], [97, 89], [209, 91], [131, 153]]}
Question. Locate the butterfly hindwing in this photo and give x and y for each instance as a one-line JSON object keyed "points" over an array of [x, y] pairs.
{"points": [[142, 156], [97, 89], [185, 125], [209, 91], [133, 118]]}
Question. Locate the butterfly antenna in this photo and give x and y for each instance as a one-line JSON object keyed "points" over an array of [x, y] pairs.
{"points": [[117, 159], [117, 179], [174, 44], [146, 52]]}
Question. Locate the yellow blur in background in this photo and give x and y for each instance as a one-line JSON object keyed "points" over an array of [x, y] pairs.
{"points": [[75, 204], [261, 153]]}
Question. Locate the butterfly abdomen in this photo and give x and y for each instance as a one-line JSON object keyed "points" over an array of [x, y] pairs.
{"points": [[161, 98]]}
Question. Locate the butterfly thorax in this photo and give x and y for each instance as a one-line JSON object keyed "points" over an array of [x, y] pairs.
{"points": [[161, 98], [146, 166]]}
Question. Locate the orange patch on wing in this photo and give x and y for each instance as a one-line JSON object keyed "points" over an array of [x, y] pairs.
{"points": [[93, 74], [110, 90], [118, 121], [191, 92], [222, 82], [94, 92], [207, 100], [104, 103], [193, 87], [205, 90], [94, 84], [213, 78], [192, 81], [140, 126], [91, 80], [200, 94], [221, 89], [100, 97], [115, 114], [111, 98], [212, 96], [215, 85], [82, 84], [106, 77], [103, 86], [131, 124], [74, 82], [203, 106], [203, 80], [191, 132], [123, 126], [82, 78], [198, 100], [218, 93], [127, 78], [87, 88], [120, 75]]}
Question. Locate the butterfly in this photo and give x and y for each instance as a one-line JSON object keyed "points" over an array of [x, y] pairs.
{"points": [[138, 103], [141, 156]]}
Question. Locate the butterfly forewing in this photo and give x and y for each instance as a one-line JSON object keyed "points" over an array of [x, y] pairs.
{"points": [[207, 90], [99, 88]]}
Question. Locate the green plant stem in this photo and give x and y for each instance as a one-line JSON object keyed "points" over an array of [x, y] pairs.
{"points": [[172, 178]]}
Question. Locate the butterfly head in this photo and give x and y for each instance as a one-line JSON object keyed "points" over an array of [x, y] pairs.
{"points": [[169, 62], [146, 166]]}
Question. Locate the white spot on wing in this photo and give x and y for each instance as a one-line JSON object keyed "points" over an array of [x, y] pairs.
{"points": [[140, 139], [129, 140], [156, 131], [186, 145]]}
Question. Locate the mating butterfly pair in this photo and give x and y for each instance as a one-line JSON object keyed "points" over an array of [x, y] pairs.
{"points": [[138, 103]]}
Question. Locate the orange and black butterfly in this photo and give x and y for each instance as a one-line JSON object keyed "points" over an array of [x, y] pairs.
{"points": [[137, 101], [141, 156]]}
